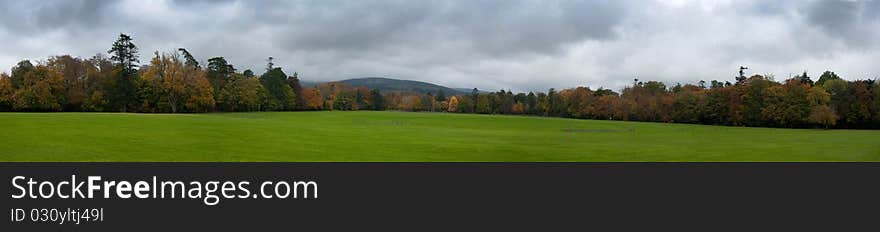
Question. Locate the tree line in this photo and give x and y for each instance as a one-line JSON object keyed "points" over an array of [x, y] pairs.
{"points": [[830, 102], [175, 82]]}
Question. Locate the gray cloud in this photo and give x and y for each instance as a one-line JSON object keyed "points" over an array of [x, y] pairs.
{"points": [[855, 22], [34, 17], [520, 45]]}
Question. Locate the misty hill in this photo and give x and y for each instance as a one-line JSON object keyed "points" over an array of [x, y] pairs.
{"points": [[395, 85]]}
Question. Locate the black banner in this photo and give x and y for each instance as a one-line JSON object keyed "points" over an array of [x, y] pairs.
{"points": [[449, 196]]}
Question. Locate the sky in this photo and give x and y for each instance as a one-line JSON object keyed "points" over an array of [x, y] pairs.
{"points": [[487, 44]]}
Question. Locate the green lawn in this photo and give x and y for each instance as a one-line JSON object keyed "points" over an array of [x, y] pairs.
{"points": [[402, 136]]}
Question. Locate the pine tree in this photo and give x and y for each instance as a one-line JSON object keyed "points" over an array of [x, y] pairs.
{"points": [[125, 57]]}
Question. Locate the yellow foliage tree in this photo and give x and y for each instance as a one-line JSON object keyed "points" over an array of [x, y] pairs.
{"points": [[453, 104]]}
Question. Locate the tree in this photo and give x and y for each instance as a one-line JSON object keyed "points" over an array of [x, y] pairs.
{"points": [[532, 104], [518, 108], [269, 64], [313, 99], [556, 103], [753, 96], [483, 106], [466, 104], [242, 94], [282, 96], [378, 100], [688, 105], [804, 79], [190, 60], [181, 87], [297, 88], [99, 82], [248, 73], [441, 96], [580, 103], [42, 89], [823, 115], [6, 92], [715, 109], [859, 101], [343, 101], [219, 72], [787, 104], [475, 94], [608, 107], [827, 76], [876, 108], [453, 104], [427, 102], [19, 71], [74, 73], [742, 76], [124, 54]]}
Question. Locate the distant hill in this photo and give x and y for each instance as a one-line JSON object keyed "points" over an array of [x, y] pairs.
{"points": [[395, 85]]}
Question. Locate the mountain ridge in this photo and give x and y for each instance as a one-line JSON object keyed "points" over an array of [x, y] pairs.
{"points": [[385, 84]]}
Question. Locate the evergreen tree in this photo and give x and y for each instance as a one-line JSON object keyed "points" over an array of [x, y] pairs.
{"points": [[219, 73], [294, 83], [378, 100], [124, 54], [441, 96], [826, 76], [190, 60]]}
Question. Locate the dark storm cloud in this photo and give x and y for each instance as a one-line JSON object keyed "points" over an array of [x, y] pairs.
{"points": [[490, 44]]}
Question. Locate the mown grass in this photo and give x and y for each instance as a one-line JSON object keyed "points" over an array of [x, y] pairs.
{"points": [[403, 136]]}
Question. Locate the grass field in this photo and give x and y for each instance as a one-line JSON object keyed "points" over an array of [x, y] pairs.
{"points": [[402, 136]]}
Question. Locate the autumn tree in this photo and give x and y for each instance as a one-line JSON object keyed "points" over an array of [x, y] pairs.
{"points": [[824, 116], [518, 108], [859, 101], [100, 80], [242, 93], [74, 72], [297, 88], [876, 105], [787, 104], [688, 104], [580, 102], [452, 106], [182, 87], [313, 99], [41, 89], [6, 92], [608, 107]]}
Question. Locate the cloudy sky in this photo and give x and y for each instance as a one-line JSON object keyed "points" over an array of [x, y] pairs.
{"points": [[518, 45]]}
